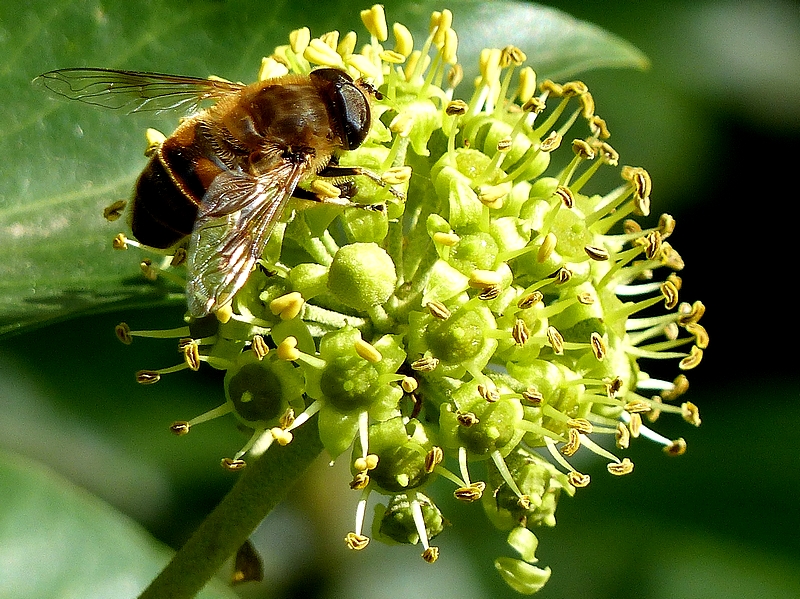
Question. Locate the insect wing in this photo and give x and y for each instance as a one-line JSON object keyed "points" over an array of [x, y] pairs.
{"points": [[233, 224], [134, 91]]}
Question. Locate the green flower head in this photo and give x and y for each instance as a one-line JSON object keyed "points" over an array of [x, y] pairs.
{"points": [[477, 314]]}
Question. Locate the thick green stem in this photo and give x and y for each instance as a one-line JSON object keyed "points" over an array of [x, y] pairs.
{"points": [[262, 485]]}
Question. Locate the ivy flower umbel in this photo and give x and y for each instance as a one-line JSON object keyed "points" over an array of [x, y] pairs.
{"points": [[484, 329]]}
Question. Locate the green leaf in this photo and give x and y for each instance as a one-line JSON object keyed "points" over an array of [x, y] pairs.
{"points": [[65, 161], [56, 540]]}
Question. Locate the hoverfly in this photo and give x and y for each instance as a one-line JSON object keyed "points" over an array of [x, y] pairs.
{"points": [[225, 175]]}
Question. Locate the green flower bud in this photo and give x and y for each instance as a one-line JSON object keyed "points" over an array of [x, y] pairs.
{"points": [[396, 521], [401, 457], [262, 390], [362, 276], [537, 479], [493, 428], [459, 342], [474, 251]]}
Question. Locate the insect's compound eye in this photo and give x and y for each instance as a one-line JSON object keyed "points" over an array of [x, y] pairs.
{"points": [[349, 105]]}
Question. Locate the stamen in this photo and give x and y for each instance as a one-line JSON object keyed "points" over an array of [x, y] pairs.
{"points": [[404, 41], [374, 20], [367, 351], [692, 360]]}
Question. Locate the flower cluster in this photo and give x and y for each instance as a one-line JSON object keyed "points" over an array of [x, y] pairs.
{"points": [[483, 328]]}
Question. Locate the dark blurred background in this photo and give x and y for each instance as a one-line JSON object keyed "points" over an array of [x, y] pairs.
{"points": [[715, 120]]}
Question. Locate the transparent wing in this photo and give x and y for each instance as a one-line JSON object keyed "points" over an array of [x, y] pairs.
{"points": [[235, 219], [134, 91]]}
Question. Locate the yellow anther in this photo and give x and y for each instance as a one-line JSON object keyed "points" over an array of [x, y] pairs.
{"points": [[578, 480], [529, 300], [224, 312], [450, 48], [402, 124], [551, 142], [551, 87], [692, 360], [392, 57], [364, 65], [367, 351], [347, 44], [299, 40], [599, 128], [271, 68], [455, 75], [598, 345], [574, 88], [570, 447], [396, 175], [587, 105], [533, 395], [483, 279], [622, 436], [622, 468], [431, 554], [547, 248], [490, 65], [318, 52], [694, 314], [374, 20], [534, 104], [433, 458], [438, 310], [527, 84], [411, 64], [147, 377], [520, 332], [443, 24], [287, 349], [635, 424], [283, 437], [446, 239], [700, 334], [191, 355], [180, 428], [555, 340], [676, 447], [427, 364], [287, 306], [471, 493], [331, 39], [120, 242], [356, 541], [583, 149], [492, 195], [670, 293], [690, 413], [409, 384], [403, 40], [456, 108], [325, 189], [596, 253]]}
